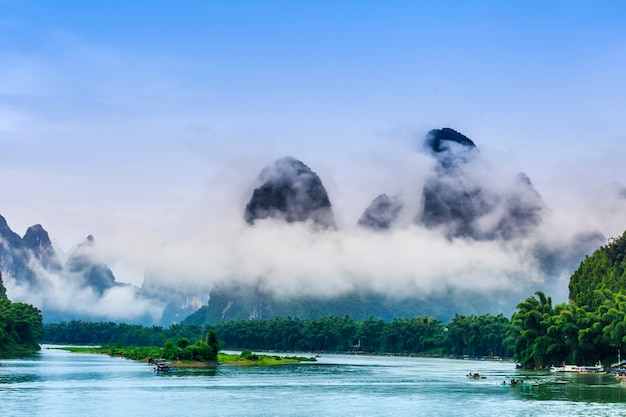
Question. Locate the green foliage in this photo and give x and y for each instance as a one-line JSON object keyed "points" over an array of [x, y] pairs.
{"points": [[411, 336], [566, 333], [605, 269], [182, 342], [474, 335], [591, 327], [247, 354], [108, 333], [20, 326], [131, 352]]}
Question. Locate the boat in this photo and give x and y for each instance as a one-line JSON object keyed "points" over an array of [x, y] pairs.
{"points": [[162, 366], [519, 383], [597, 368]]}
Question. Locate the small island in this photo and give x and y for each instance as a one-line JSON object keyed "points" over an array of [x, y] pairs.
{"points": [[181, 359]]}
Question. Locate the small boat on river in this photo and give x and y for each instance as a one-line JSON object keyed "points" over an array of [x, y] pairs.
{"points": [[161, 365], [519, 383]]}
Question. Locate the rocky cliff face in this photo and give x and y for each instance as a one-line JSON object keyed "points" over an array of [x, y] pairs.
{"points": [[292, 192]]}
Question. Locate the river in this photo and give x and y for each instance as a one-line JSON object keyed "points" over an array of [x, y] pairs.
{"points": [[58, 383]]}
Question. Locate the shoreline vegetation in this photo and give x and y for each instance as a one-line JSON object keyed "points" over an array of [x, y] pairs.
{"points": [[246, 357], [472, 336]]}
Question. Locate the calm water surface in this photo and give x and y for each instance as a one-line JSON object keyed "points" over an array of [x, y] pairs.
{"points": [[59, 383]]}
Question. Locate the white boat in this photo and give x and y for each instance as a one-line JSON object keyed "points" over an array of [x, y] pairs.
{"points": [[597, 368]]}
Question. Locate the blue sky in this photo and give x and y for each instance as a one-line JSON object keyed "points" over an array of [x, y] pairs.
{"points": [[154, 116]]}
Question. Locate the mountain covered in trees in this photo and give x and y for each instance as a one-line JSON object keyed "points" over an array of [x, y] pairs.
{"points": [[244, 302], [591, 327], [604, 270], [20, 326]]}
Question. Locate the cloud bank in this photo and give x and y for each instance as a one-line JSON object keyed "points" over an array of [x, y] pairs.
{"points": [[215, 244]]}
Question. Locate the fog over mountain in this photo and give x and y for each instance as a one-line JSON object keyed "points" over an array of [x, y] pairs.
{"points": [[82, 288], [478, 238], [457, 199]]}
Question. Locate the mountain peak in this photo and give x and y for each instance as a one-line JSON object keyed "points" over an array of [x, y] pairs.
{"points": [[37, 240], [439, 140], [290, 191], [37, 237], [381, 213], [85, 265]]}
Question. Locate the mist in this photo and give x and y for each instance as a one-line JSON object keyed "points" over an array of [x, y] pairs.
{"points": [[210, 243], [406, 261]]}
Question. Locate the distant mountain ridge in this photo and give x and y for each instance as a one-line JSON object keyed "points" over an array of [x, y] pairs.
{"points": [[455, 203], [30, 261], [247, 302]]}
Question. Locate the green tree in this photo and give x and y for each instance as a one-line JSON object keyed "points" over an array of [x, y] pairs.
{"points": [[182, 342], [530, 323], [20, 326]]}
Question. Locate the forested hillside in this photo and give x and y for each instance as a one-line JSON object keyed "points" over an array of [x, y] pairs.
{"points": [[591, 327], [604, 270], [20, 326]]}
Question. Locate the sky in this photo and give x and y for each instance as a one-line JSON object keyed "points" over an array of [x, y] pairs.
{"points": [[146, 123]]}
